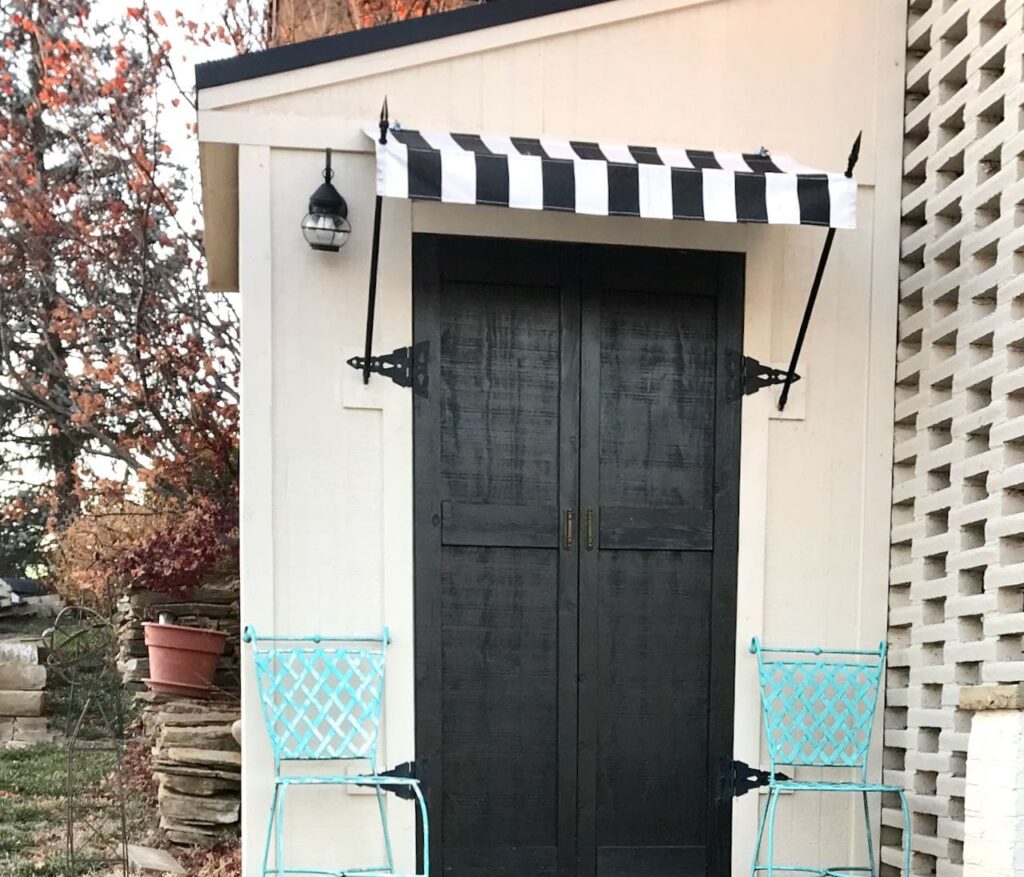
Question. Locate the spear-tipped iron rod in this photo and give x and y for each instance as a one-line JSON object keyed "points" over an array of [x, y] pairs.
{"points": [[371, 300], [815, 286]]}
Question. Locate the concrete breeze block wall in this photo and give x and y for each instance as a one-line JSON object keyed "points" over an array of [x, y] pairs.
{"points": [[956, 613]]}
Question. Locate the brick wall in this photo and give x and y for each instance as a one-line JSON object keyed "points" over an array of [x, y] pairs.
{"points": [[956, 612]]}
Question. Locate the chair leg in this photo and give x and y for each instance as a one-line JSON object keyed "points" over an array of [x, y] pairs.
{"points": [[906, 834], [279, 832], [382, 807], [426, 828], [270, 829], [773, 800], [868, 834], [762, 819]]}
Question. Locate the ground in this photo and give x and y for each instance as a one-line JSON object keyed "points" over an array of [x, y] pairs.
{"points": [[33, 810], [33, 814], [34, 792]]}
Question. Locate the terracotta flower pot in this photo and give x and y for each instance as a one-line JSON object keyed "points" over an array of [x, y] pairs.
{"points": [[182, 660]]}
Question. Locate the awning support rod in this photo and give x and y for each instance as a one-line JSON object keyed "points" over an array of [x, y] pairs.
{"points": [[371, 304], [815, 286], [406, 366]]}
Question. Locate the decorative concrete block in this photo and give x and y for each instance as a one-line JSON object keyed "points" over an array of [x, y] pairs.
{"points": [[957, 541]]}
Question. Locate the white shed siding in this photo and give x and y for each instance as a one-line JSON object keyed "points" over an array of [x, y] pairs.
{"points": [[326, 475]]}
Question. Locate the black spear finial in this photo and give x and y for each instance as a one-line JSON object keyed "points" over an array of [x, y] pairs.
{"points": [[851, 162], [384, 121]]}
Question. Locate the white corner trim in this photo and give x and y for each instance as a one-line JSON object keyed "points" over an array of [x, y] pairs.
{"points": [[257, 458]]}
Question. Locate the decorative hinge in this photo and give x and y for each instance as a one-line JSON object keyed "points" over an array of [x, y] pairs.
{"points": [[406, 366], [736, 778], [757, 376], [406, 771]]}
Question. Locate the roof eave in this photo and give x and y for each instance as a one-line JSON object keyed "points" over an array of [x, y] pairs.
{"points": [[323, 50]]}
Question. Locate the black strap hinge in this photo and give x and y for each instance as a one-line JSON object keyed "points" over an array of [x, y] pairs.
{"points": [[406, 366], [406, 771], [737, 778], [757, 376]]}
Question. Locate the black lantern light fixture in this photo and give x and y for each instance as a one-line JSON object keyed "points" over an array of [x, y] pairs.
{"points": [[326, 226]]}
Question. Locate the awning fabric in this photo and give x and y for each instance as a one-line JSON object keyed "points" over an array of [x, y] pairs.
{"points": [[606, 179]]}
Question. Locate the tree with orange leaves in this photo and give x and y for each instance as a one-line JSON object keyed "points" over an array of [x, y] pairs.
{"points": [[118, 372], [294, 20]]}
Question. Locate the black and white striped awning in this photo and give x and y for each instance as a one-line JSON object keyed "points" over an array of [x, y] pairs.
{"points": [[605, 179]]}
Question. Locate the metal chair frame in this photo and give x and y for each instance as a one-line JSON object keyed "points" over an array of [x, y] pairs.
{"points": [[323, 703], [818, 707]]}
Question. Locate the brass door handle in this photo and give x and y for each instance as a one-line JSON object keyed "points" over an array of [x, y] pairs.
{"points": [[568, 529], [590, 529]]}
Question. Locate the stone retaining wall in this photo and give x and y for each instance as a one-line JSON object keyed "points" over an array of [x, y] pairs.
{"points": [[22, 699], [197, 763], [196, 760]]}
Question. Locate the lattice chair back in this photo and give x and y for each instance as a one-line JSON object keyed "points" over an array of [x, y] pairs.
{"points": [[321, 696], [818, 704]]}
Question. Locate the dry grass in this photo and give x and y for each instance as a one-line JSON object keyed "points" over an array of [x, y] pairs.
{"points": [[221, 861]]}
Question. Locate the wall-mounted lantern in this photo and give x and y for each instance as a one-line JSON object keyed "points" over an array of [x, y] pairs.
{"points": [[326, 226]]}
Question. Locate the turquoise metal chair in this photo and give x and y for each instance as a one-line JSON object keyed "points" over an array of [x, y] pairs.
{"points": [[322, 703], [819, 708]]}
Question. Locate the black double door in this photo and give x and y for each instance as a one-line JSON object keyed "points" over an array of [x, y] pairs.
{"points": [[576, 480]]}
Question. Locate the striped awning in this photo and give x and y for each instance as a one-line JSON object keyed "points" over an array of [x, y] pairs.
{"points": [[607, 179]]}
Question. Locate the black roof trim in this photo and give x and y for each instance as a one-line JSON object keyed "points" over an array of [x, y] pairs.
{"points": [[377, 39]]}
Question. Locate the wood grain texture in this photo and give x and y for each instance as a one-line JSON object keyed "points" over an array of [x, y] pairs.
{"points": [[649, 443], [510, 526], [657, 528], [657, 400], [573, 701], [498, 418]]}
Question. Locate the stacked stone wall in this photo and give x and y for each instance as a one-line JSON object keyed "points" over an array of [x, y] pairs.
{"points": [[197, 762], [22, 695]]}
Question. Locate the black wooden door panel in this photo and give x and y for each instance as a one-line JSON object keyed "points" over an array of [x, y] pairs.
{"points": [[657, 528], [495, 651], [499, 400], [500, 351], [656, 394], [651, 438], [653, 619], [511, 526], [500, 672], [574, 694], [654, 439]]}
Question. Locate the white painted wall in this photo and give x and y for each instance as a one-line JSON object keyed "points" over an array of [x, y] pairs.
{"points": [[327, 462], [994, 795]]}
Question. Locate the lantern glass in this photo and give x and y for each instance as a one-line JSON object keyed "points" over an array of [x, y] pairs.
{"points": [[325, 231]]}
